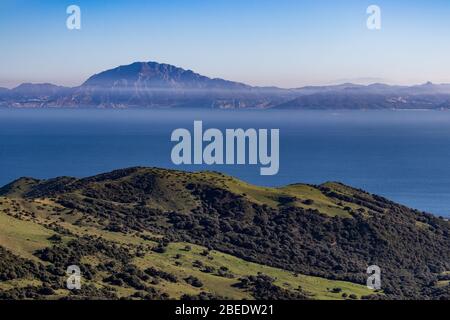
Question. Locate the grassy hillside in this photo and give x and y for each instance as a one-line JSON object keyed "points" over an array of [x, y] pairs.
{"points": [[148, 233], [23, 235]]}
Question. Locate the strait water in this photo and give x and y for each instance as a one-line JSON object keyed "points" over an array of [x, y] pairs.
{"points": [[403, 155]]}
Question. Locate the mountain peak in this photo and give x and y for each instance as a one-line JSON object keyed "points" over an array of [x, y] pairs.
{"points": [[153, 75]]}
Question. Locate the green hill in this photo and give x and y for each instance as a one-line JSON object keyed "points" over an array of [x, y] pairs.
{"points": [[148, 233]]}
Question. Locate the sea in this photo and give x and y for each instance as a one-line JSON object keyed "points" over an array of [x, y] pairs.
{"points": [[403, 155]]}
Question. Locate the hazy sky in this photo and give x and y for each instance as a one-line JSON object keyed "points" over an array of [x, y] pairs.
{"points": [[287, 43]]}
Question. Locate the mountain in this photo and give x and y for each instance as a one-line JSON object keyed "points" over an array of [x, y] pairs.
{"points": [[152, 233], [155, 85], [32, 95], [371, 97], [155, 76], [39, 90]]}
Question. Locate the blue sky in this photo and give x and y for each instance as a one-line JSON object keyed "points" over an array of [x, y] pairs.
{"points": [[288, 43]]}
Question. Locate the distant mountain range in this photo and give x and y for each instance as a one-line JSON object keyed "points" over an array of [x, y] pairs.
{"points": [[155, 85]]}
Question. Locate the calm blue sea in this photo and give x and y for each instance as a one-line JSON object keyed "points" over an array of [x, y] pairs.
{"points": [[403, 155]]}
